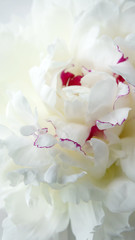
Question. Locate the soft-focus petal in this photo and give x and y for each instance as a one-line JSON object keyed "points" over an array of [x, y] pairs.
{"points": [[119, 195], [113, 225], [25, 153], [84, 218], [128, 160]]}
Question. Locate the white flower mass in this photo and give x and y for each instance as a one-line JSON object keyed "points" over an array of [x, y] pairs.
{"points": [[67, 132]]}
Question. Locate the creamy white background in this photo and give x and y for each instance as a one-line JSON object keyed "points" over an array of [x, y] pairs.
{"points": [[8, 8]]}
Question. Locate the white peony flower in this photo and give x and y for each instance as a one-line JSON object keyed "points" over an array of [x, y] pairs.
{"points": [[68, 146]]}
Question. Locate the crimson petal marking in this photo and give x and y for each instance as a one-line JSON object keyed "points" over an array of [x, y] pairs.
{"points": [[69, 79], [119, 78], [86, 69], [94, 131], [43, 130], [122, 59], [75, 81], [75, 145], [50, 121], [65, 77]]}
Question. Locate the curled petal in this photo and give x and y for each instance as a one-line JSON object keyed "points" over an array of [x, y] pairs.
{"points": [[45, 141], [117, 117], [74, 131], [123, 90], [70, 144], [58, 175], [126, 70]]}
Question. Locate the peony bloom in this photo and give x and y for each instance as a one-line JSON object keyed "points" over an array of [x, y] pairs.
{"points": [[67, 139]]}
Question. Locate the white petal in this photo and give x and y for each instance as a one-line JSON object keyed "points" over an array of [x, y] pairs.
{"points": [[83, 191], [24, 153], [100, 15], [58, 174], [19, 111], [48, 95], [73, 177], [28, 130], [30, 222], [4, 132], [101, 98], [113, 225], [128, 234], [45, 141], [13, 45], [66, 235], [84, 218], [127, 17], [117, 117], [74, 131], [75, 109], [128, 161], [10, 230], [126, 70], [123, 89], [122, 100], [127, 46], [37, 73], [51, 174], [75, 102], [101, 154], [93, 77], [99, 55], [119, 195], [3, 215]]}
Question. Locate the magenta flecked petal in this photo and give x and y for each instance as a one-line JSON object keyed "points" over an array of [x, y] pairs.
{"points": [[122, 59]]}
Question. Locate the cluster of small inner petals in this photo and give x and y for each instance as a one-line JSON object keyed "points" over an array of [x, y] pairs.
{"points": [[69, 79]]}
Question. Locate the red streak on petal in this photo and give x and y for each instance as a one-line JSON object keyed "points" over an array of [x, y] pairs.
{"points": [[95, 132], [119, 78], [122, 59], [69, 79], [65, 77], [75, 81]]}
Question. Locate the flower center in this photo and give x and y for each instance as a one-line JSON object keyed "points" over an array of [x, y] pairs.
{"points": [[69, 79]]}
